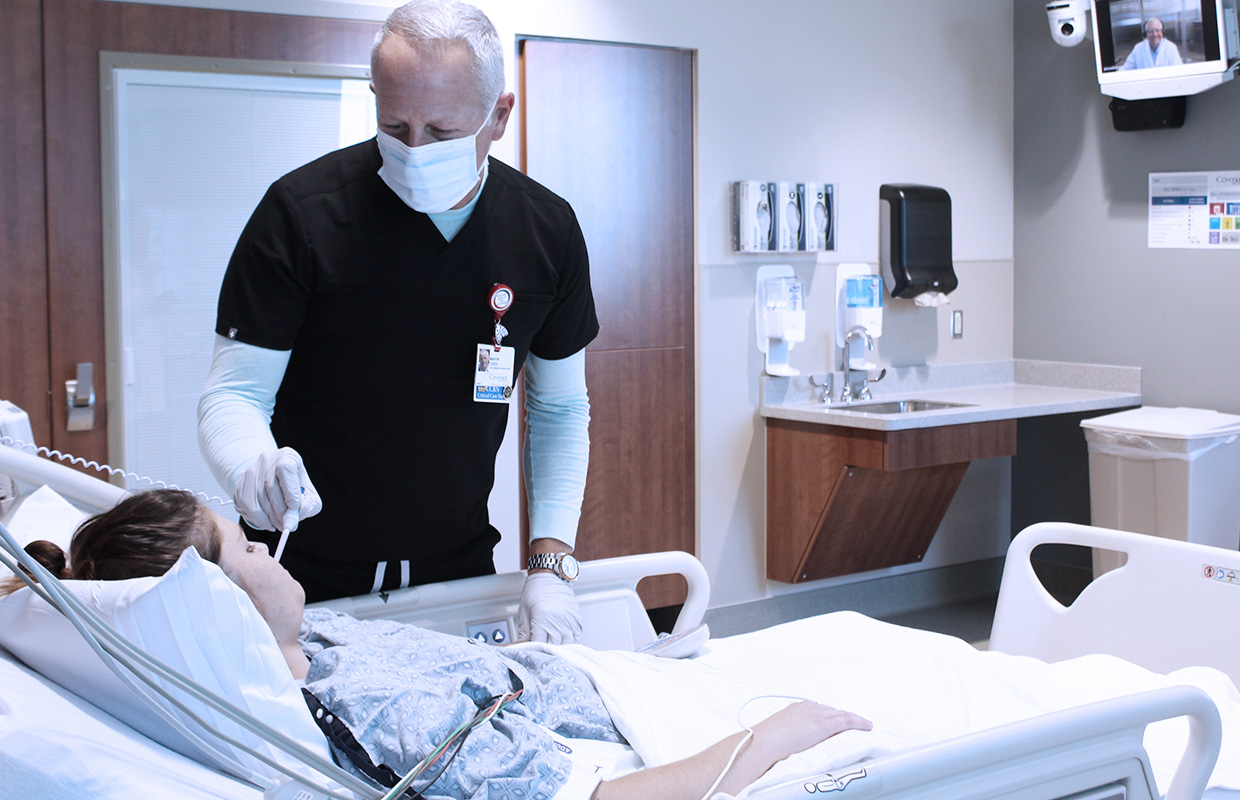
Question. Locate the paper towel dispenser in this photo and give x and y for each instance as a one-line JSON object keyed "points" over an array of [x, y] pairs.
{"points": [[915, 239]]}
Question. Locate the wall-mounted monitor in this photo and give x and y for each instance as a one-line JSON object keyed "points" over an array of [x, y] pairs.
{"points": [[1164, 48]]}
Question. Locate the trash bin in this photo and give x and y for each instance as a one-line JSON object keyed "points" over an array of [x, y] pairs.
{"points": [[1169, 472]]}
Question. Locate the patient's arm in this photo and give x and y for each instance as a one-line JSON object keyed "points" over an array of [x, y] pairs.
{"points": [[795, 728]]}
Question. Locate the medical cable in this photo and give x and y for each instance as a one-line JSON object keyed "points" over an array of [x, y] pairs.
{"points": [[455, 740], [457, 737], [749, 734], [117, 651], [111, 471]]}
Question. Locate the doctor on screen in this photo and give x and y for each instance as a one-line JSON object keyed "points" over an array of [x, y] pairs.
{"points": [[1154, 50]]}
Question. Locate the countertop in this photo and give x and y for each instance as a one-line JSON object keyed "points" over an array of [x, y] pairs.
{"points": [[989, 390]]}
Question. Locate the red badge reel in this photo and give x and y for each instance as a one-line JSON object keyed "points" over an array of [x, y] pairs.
{"points": [[500, 300]]}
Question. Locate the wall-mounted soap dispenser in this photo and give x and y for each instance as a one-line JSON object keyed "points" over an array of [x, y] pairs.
{"points": [[859, 305], [915, 241], [780, 316]]}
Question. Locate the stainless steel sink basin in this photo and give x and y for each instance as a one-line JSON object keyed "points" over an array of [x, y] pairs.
{"points": [[897, 406]]}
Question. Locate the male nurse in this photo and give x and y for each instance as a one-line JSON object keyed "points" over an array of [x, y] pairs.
{"points": [[345, 399]]}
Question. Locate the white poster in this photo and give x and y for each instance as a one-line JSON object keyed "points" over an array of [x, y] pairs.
{"points": [[1195, 210]]}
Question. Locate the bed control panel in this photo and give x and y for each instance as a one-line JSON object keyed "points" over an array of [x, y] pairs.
{"points": [[494, 631]]}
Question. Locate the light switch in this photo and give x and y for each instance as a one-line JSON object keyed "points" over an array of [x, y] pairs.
{"points": [[957, 324]]}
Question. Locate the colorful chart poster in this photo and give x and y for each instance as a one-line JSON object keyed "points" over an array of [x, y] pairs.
{"points": [[1196, 210]]}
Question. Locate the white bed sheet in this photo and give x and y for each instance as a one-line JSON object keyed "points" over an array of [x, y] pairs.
{"points": [[916, 687]]}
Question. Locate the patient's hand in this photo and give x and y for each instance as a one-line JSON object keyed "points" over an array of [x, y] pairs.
{"points": [[802, 725], [797, 727]]}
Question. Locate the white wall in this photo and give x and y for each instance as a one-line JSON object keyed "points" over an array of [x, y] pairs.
{"points": [[1089, 289], [853, 93]]}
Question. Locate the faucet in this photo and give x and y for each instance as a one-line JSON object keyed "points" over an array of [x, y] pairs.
{"points": [[846, 392]]}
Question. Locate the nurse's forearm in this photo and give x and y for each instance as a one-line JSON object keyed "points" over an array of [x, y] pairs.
{"points": [[234, 411], [557, 448]]}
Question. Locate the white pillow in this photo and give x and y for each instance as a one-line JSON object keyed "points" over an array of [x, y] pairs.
{"points": [[42, 514], [196, 621]]}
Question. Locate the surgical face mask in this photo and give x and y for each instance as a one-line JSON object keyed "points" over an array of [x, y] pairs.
{"points": [[433, 177]]}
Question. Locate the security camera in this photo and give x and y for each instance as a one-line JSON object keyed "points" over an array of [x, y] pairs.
{"points": [[1069, 21]]}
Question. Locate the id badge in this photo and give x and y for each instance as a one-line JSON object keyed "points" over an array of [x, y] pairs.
{"points": [[493, 370]]}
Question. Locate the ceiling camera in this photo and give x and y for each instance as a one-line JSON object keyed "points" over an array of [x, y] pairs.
{"points": [[1069, 21]]}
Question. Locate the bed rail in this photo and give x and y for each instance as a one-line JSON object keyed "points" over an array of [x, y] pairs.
{"points": [[613, 617], [1150, 611], [77, 487], [1079, 752]]}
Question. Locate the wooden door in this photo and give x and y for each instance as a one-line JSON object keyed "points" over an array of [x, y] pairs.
{"points": [[23, 232], [610, 128], [74, 32]]}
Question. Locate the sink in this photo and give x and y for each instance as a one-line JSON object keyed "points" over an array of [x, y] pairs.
{"points": [[897, 406]]}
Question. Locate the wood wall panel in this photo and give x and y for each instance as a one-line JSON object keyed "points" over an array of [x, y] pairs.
{"points": [[75, 32], [639, 492], [610, 128], [23, 229], [626, 165]]}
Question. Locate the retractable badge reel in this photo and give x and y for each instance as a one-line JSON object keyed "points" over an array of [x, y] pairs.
{"points": [[493, 372], [499, 299]]}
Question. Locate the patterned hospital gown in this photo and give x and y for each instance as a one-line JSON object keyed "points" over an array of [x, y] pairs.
{"points": [[403, 690]]}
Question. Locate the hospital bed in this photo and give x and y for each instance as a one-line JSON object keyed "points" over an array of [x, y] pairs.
{"points": [[1081, 746]]}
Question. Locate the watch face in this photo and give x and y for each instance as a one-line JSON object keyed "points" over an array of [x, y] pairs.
{"points": [[569, 567]]}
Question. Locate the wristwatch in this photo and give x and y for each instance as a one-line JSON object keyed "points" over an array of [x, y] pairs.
{"points": [[564, 565]]}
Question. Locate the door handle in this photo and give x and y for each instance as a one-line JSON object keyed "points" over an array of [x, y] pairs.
{"points": [[81, 399]]}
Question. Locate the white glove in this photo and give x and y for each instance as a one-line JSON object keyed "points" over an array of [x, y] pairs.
{"points": [[549, 611], [276, 492]]}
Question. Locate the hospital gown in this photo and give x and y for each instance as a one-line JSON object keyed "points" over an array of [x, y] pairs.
{"points": [[403, 690]]}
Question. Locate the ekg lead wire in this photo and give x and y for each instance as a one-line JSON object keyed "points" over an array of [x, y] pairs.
{"points": [[117, 651], [457, 737]]}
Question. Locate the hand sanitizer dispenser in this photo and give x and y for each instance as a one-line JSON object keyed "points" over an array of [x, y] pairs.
{"points": [[859, 295], [779, 317]]}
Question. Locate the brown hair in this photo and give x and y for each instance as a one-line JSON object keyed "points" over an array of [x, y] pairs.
{"points": [[141, 536]]}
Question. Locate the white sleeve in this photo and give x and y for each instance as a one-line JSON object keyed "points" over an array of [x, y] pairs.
{"points": [[234, 412], [557, 444]]}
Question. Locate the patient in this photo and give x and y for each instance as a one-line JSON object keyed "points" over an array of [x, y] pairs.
{"points": [[402, 690]]}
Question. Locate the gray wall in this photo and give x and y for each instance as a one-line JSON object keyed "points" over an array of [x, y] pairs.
{"points": [[1087, 288]]}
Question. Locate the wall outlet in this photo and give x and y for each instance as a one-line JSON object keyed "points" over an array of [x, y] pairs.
{"points": [[957, 324]]}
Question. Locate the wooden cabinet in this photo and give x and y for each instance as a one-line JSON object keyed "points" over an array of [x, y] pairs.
{"points": [[844, 500]]}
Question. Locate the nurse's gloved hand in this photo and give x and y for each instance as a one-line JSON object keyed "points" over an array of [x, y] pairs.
{"points": [[276, 491], [549, 611]]}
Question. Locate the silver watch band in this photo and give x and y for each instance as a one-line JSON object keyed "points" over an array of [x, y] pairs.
{"points": [[564, 565], [549, 561]]}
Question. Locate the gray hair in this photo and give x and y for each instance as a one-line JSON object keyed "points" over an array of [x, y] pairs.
{"points": [[444, 22]]}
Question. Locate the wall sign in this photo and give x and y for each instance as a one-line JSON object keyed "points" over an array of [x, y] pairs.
{"points": [[1195, 210]]}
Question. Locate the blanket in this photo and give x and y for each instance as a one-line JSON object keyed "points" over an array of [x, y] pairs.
{"points": [[916, 687]]}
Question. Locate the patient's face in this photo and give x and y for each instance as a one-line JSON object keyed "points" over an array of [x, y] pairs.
{"points": [[275, 593]]}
